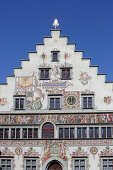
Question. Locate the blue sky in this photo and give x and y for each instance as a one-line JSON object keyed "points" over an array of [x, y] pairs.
{"points": [[88, 23]]}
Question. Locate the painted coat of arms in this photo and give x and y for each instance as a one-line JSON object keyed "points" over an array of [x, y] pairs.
{"points": [[84, 77], [107, 99]]}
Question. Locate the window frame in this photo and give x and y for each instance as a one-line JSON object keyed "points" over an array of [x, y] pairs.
{"points": [[79, 165], [57, 58], [106, 132], [19, 97], [3, 133], [87, 96], [31, 159], [66, 73], [55, 96], [46, 130], [6, 164], [40, 73], [106, 165], [82, 134], [69, 134]]}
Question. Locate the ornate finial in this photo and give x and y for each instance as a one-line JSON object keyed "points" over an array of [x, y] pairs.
{"points": [[55, 24]]}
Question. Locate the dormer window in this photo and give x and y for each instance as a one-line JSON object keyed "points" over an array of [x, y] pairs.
{"points": [[44, 73], [19, 102], [66, 73], [55, 56]]}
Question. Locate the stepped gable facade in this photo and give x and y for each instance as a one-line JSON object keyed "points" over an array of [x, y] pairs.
{"points": [[56, 112]]}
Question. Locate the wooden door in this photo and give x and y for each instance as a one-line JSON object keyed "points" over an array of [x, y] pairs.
{"points": [[55, 166]]}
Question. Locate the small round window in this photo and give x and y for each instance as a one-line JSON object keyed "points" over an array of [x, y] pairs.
{"points": [[71, 100]]}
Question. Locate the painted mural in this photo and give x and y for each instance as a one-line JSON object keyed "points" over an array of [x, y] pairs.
{"points": [[71, 99], [58, 118], [84, 78], [55, 148]]}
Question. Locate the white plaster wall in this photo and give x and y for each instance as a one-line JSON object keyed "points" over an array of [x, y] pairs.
{"points": [[96, 82]]}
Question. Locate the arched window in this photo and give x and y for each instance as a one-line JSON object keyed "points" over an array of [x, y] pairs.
{"points": [[48, 131]]}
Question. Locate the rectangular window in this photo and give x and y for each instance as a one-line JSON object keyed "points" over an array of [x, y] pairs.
{"points": [[35, 133], [72, 133], [6, 133], [65, 73], [44, 73], [19, 103], [55, 103], [30, 133], [103, 132], [6, 163], [93, 132], [60, 133], [79, 164], [107, 164], [1, 133], [106, 132], [81, 132], [24, 133], [109, 132], [66, 133], [31, 164], [87, 102], [15, 133], [54, 56]]}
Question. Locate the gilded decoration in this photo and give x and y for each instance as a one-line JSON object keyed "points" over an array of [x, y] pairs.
{"points": [[18, 151], [79, 152], [58, 118], [93, 151], [106, 152], [84, 78], [107, 99], [71, 99]]}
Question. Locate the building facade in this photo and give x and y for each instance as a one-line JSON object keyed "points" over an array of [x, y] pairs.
{"points": [[56, 112]]}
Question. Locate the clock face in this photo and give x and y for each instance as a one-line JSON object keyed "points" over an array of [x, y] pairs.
{"points": [[71, 100]]}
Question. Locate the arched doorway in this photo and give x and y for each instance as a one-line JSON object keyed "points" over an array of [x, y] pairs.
{"points": [[54, 166]]}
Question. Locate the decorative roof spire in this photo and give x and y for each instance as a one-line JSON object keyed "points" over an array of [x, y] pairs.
{"points": [[55, 24]]}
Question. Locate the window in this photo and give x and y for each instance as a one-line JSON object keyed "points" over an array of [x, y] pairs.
{"points": [[48, 131], [6, 163], [30, 133], [79, 164], [4, 133], [65, 73], [106, 132], [54, 102], [107, 164], [19, 102], [44, 73], [81, 132], [55, 56], [93, 132], [31, 164], [66, 133], [15, 133], [87, 102]]}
